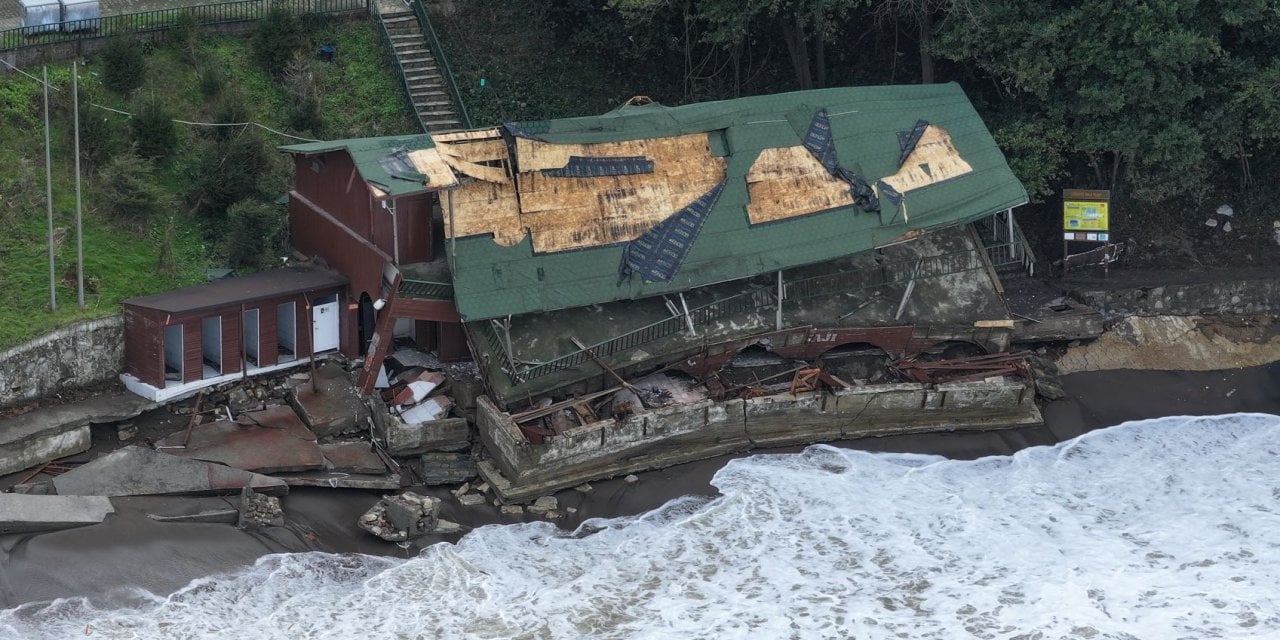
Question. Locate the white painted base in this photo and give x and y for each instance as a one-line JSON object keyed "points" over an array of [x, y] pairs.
{"points": [[178, 391]]}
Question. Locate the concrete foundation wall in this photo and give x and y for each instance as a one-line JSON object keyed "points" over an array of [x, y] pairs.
{"points": [[662, 437], [1208, 298], [79, 355]]}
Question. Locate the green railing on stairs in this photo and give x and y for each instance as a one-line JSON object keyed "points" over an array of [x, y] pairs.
{"points": [[163, 19], [390, 47], [433, 41]]}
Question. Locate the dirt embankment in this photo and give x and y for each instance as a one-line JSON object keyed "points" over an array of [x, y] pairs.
{"points": [[1186, 343]]}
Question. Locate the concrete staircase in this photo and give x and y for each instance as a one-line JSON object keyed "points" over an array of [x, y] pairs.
{"points": [[422, 75]]}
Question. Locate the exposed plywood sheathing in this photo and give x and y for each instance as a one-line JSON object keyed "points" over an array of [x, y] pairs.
{"points": [[429, 163], [934, 159], [788, 182], [563, 213]]}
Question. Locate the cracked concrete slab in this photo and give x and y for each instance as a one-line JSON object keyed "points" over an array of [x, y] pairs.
{"points": [[136, 471], [269, 441]]}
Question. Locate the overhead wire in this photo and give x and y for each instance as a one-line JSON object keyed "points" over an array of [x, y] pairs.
{"points": [[179, 121]]}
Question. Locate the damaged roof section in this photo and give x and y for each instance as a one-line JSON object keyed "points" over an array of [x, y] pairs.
{"points": [[392, 165], [647, 200]]}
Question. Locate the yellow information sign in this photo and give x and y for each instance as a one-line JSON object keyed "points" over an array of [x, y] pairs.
{"points": [[1085, 210]]}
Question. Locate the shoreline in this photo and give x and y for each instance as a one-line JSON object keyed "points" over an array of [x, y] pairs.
{"points": [[130, 551]]}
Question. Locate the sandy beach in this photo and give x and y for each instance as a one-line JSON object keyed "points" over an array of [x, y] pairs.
{"points": [[109, 562]]}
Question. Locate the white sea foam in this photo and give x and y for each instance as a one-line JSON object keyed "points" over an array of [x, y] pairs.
{"points": [[1160, 529]]}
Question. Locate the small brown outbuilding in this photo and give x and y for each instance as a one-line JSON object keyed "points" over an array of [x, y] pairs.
{"points": [[188, 338]]}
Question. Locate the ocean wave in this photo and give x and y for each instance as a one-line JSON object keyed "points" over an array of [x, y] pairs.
{"points": [[1156, 529]]}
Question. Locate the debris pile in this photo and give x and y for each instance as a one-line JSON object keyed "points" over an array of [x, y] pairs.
{"points": [[406, 516], [258, 510]]}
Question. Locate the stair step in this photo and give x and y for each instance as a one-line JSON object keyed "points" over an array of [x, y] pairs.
{"points": [[434, 103], [433, 92]]}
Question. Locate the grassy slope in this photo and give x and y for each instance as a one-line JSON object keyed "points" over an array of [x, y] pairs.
{"points": [[361, 97]]}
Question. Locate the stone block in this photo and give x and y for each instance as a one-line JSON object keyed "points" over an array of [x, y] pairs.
{"points": [[445, 468], [400, 439]]}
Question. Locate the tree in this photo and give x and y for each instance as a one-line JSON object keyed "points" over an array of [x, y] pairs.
{"points": [[152, 130], [927, 16], [805, 26], [277, 38], [129, 192], [123, 67], [227, 171], [256, 229]]}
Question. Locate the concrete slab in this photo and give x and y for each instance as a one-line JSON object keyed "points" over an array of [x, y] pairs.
{"points": [[135, 471], [58, 431], [334, 407], [269, 441], [353, 457], [27, 513], [337, 480]]}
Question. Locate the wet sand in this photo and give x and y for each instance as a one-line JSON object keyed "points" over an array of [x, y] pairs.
{"points": [[130, 551]]}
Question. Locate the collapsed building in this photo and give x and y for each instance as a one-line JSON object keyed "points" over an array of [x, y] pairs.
{"points": [[658, 284]]}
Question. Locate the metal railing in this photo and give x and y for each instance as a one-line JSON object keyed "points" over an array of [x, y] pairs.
{"points": [[442, 60], [163, 19], [425, 289], [897, 271], [1008, 245]]}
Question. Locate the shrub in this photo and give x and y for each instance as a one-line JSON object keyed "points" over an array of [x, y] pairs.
{"points": [[255, 230], [123, 67], [304, 97], [212, 81], [277, 38], [230, 109], [227, 171], [185, 34], [152, 130], [129, 193]]}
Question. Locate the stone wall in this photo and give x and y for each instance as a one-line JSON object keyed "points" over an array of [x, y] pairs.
{"points": [[519, 470], [1258, 295], [79, 355]]}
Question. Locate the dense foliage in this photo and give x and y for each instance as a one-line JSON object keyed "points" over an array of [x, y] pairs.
{"points": [[1173, 105]]}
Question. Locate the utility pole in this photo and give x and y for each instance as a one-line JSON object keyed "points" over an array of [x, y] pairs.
{"points": [[48, 182], [75, 99]]}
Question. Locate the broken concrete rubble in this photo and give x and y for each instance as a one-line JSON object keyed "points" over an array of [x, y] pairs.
{"points": [[401, 439], [257, 510], [353, 457], [432, 409], [403, 517], [270, 441], [57, 431], [136, 471], [340, 480], [334, 407], [29, 513]]}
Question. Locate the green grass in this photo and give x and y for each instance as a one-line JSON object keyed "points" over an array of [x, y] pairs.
{"points": [[361, 96]]}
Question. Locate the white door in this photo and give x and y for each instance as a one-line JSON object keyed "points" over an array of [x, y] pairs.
{"points": [[324, 324]]}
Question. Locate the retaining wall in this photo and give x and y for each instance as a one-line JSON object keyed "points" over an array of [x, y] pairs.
{"points": [[1257, 295], [519, 470], [75, 356]]}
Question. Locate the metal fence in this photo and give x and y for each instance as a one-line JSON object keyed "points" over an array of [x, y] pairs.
{"points": [[162, 19]]}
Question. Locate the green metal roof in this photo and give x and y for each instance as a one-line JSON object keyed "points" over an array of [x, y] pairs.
{"points": [[493, 281], [366, 152]]}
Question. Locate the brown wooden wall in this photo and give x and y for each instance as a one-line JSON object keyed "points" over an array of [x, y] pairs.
{"points": [[143, 346], [315, 232], [337, 188], [144, 336]]}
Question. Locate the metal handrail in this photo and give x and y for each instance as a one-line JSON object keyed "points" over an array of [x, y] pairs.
{"points": [[437, 50], [376, 16], [426, 289], [162, 19]]}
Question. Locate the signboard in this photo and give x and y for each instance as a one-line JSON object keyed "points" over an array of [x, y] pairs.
{"points": [[1085, 213]]}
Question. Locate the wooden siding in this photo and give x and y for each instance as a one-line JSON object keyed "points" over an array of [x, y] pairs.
{"points": [[232, 341], [337, 188], [420, 309], [143, 346], [452, 346], [316, 232], [414, 216], [192, 352]]}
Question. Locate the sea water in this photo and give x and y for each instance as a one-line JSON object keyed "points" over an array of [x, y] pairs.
{"points": [[1159, 529]]}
